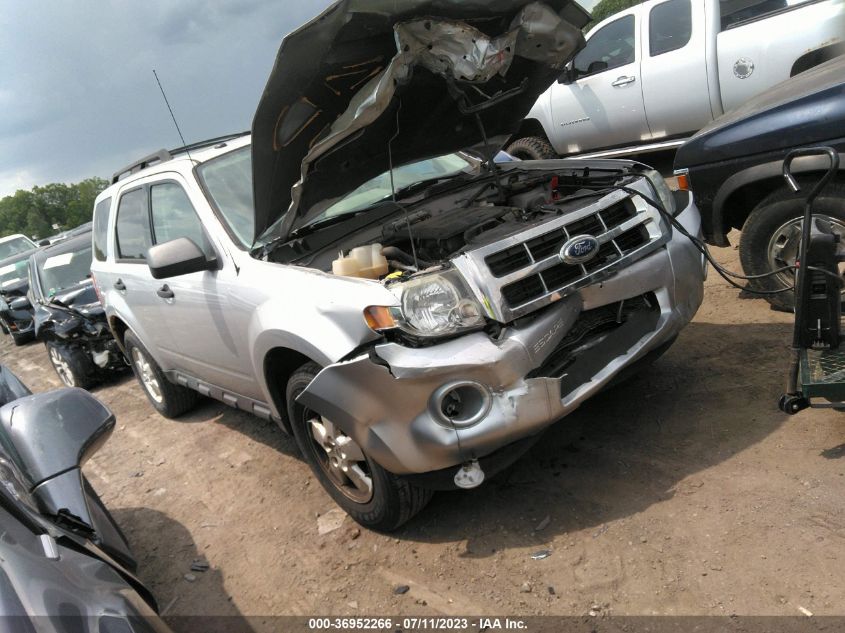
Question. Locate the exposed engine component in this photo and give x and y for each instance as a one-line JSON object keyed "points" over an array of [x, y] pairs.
{"points": [[367, 262]]}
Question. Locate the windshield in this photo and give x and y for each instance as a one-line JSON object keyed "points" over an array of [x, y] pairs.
{"points": [[379, 187], [14, 246], [13, 273], [58, 272], [228, 181]]}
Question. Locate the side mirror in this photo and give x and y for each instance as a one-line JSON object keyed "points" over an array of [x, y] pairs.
{"points": [[177, 257], [568, 76], [54, 432], [44, 243], [597, 67], [20, 303]]}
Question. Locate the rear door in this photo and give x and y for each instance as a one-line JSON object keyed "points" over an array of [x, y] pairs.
{"points": [[674, 68], [604, 106]]}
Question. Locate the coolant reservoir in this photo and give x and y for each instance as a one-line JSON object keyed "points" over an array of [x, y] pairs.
{"points": [[363, 261], [346, 266], [372, 264]]}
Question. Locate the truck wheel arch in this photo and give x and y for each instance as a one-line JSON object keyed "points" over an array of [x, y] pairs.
{"points": [[740, 193]]}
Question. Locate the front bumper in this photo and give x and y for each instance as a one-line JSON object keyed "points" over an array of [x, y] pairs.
{"points": [[388, 400]]}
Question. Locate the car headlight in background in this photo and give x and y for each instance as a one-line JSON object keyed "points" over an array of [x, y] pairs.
{"points": [[658, 183], [434, 304]]}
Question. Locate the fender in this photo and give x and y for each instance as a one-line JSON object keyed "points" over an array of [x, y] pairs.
{"points": [[758, 173], [326, 335]]}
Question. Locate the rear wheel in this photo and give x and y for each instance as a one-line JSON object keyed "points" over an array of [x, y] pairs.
{"points": [[72, 366], [168, 399], [772, 233], [532, 148], [374, 497]]}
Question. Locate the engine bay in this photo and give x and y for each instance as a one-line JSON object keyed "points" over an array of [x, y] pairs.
{"points": [[439, 223]]}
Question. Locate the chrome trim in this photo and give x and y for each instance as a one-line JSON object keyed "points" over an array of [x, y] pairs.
{"points": [[489, 289]]}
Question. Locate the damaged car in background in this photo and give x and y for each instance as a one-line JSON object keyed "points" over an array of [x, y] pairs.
{"points": [[15, 311], [362, 271], [68, 315]]}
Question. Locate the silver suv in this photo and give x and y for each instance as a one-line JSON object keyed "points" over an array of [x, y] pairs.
{"points": [[363, 272]]}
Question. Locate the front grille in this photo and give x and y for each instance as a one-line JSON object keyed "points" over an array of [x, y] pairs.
{"points": [[527, 269]]}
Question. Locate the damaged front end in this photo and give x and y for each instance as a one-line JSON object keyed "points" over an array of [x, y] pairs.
{"points": [[524, 336], [517, 290], [69, 316]]}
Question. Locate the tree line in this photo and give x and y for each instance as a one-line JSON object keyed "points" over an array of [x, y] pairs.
{"points": [[34, 212]]}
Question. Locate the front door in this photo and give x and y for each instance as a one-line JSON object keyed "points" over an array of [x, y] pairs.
{"points": [[603, 107]]}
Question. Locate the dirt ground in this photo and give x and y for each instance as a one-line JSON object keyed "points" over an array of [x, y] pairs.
{"points": [[683, 491]]}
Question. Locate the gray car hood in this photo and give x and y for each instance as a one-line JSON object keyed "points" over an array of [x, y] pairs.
{"points": [[368, 79]]}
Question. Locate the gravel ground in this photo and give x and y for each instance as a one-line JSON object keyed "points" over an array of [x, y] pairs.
{"points": [[684, 491]]}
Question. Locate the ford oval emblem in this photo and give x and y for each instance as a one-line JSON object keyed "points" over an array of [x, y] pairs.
{"points": [[579, 249]]}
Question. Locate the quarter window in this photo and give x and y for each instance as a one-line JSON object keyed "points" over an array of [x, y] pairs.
{"points": [[612, 46], [133, 226], [670, 26], [101, 227], [174, 215]]}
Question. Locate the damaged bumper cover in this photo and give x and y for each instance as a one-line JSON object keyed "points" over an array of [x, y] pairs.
{"points": [[426, 409]]}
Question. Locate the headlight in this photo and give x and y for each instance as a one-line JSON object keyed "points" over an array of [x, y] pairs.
{"points": [[436, 304], [658, 183]]}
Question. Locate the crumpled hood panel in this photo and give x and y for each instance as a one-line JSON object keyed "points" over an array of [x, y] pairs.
{"points": [[366, 75]]}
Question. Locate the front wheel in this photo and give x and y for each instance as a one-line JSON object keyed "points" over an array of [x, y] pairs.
{"points": [[772, 233], [374, 497], [168, 399], [72, 366]]}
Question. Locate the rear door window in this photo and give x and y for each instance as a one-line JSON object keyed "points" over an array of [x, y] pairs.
{"points": [[174, 216], [101, 227], [133, 226], [669, 26]]}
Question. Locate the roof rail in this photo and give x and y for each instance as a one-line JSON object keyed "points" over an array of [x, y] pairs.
{"points": [[160, 156], [208, 142], [163, 155]]}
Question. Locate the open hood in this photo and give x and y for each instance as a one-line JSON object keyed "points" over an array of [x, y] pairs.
{"points": [[415, 79]]}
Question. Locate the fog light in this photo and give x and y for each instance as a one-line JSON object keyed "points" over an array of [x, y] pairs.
{"points": [[461, 404]]}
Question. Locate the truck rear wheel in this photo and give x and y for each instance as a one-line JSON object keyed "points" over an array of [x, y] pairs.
{"points": [[168, 399], [772, 233], [374, 497], [532, 148]]}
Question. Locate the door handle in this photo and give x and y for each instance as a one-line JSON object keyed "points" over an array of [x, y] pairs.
{"points": [[623, 81], [119, 285], [165, 292]]}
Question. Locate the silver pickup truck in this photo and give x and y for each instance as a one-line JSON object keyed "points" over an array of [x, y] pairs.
{"points": [[361, 270], [653, 74]]}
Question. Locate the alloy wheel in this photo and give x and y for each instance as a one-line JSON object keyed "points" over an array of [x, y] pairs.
{"points": [[146, 375], [784, 245], [342, 460], [62, 367]]}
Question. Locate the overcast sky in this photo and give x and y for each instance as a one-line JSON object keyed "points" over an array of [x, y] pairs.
{"points": [[77, 92]]}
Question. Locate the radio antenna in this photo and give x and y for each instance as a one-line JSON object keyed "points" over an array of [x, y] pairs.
{"points": [[172, 116], [393, 188]]}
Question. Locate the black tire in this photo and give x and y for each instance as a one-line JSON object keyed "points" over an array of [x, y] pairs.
{"points": [[532, 148], [21, 339], [776, 210], [174, 400], [73, 367], [394, 500]]}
